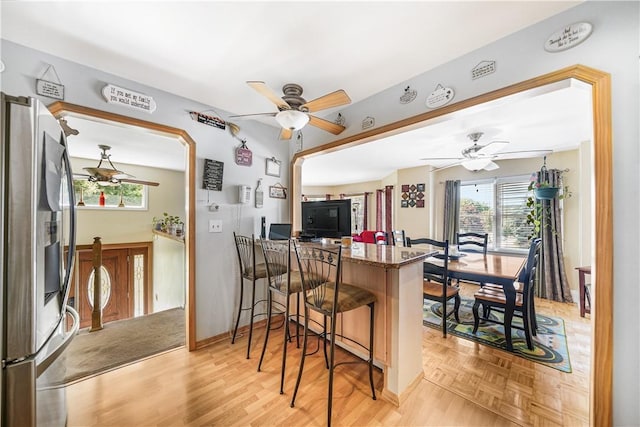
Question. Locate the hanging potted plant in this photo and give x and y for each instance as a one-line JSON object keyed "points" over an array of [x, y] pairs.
{"points": [[543, 189], [540, 201]]}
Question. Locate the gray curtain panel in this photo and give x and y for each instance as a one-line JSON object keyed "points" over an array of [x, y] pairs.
{"points": [[451, 210], [553, 284]]}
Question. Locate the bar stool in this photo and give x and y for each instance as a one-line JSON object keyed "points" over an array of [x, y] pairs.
{"points": [[282, 281], [249, 270], [325, 294]]}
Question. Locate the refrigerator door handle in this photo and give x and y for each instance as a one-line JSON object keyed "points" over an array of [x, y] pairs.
{"points": [[64, 343], [72, 225]]}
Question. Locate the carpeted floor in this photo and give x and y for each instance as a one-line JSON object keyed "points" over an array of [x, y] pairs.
{"points": [[118, 343], [550, 344]]}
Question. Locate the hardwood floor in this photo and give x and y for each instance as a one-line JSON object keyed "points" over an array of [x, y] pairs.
{"points": [[465, 384]]}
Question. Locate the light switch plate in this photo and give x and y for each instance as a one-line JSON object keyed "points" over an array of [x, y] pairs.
{"points": [[215, 226]]}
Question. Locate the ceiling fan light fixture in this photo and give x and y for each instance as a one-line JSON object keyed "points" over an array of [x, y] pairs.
{"points": [[476, 164], [292, 119]]}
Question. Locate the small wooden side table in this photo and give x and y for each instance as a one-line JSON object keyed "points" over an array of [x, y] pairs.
{"points": [[584, 290]]}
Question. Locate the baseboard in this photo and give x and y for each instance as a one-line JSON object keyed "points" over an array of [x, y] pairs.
{"points": [[228, 335]]}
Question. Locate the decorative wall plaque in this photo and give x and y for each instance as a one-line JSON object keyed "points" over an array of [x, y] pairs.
{"points": [[272, 167], [412, 196], [117, 95], [368, 122], [339, 119], [50, 88], [216, 122], [212, 175], [440, 96], [482, 69], [568, 37], [244, 156], [408, 96]]}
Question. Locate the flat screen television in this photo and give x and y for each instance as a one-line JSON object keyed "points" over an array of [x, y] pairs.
{"points": [[326, 218]]}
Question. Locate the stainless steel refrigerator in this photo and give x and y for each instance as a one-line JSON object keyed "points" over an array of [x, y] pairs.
{"points": [[37, 236]]}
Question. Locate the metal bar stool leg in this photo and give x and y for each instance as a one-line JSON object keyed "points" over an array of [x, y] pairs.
{"points": [[304, 353], [235, 329], [266, 333], [253, 308]]}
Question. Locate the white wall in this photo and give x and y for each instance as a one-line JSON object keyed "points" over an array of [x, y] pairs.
{"points": [[614, 48], [169, 282]]}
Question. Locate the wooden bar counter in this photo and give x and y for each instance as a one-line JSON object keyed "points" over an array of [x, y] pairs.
{"points": [[394, 274]]}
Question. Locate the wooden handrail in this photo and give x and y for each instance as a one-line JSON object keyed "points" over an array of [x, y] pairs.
{"points": [[96, 313]]}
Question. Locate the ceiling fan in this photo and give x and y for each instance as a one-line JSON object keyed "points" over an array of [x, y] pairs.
{"points": [[110, 175], [478, 157], [293, 109]]}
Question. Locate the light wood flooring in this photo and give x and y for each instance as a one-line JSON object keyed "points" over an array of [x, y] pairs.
{"points": [[465, 384]]}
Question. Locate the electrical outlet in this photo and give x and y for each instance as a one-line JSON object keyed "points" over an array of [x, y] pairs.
{"points": [[215, 226]]}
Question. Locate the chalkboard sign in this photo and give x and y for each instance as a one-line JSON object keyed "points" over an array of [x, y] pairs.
{"points": [[212, 177]]}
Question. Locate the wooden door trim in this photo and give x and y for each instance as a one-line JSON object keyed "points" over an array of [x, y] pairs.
{"points": [[601, 387], [60, 109]]}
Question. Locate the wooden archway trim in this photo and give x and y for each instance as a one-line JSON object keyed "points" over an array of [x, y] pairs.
{"points": [[601, 388], [59, 109]]}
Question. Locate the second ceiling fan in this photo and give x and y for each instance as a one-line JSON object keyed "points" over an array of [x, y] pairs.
{"points": [[480, 157], [104, 175], [293, 109]]}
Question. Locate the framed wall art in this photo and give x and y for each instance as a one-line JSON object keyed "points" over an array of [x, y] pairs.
{"points": [[272, 167], [277, 192]]}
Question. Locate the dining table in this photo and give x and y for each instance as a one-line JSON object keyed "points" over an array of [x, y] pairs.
{"points": [[496, 268]]}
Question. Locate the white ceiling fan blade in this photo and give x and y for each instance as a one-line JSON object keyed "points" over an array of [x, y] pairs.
{"points": [[436, 169], [491, 166], [524, 154], [492, 148]]}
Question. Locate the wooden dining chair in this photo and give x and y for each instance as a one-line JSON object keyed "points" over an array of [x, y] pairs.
{"points": [[534, 247], [436, 284], [326, 294], [472, 242], [284, 282], [494, 298], [251, 271]]}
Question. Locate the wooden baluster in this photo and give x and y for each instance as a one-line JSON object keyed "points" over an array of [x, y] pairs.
{"points": [[96, 314]]}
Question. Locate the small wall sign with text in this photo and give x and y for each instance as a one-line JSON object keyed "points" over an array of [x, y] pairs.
{"points": [[244, 156], [568, 37], [216, 122], [212, 175], [482, 69], [117, 95], [50, 88], [440, 96]]}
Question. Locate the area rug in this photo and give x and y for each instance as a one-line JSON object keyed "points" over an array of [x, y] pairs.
{"points": [[550, 344], [117, 344]]}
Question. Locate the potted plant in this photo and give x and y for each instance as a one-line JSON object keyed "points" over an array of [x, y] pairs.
{"points": [[539, 202]]}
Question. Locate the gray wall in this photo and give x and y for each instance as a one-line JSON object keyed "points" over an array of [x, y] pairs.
{"points": [[613, 47]]}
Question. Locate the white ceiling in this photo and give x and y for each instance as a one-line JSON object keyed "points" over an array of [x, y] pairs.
{"points": [[207, 50]]}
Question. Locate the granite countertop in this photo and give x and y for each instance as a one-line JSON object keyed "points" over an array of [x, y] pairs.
{"points": [[386, 256]]}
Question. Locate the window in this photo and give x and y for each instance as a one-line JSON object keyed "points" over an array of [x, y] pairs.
{"points": [[127, 196], [497, 207]]}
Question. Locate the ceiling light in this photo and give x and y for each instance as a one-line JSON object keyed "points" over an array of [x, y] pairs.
{"points": [[476, 164], [292, 119]]}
